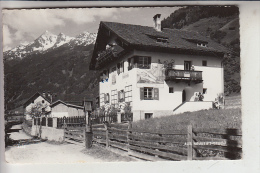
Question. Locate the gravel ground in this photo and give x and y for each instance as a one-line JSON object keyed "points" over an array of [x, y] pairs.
{"points": [[45, 152]]}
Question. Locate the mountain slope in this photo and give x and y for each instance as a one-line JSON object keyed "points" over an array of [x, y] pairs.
{"points": [[61, 70]]}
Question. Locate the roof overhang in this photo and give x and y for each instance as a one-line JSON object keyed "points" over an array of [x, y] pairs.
{"points": [[66, 104], [36, 95]]}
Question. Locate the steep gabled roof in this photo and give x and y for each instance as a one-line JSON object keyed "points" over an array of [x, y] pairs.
{"points": [[146, 38], [36, 95], [66, 104]]}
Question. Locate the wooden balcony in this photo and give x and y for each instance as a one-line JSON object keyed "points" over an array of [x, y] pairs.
{"points": [[183, 75]]}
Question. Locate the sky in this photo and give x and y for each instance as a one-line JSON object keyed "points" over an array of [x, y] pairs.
{"points": [[25, 25]]}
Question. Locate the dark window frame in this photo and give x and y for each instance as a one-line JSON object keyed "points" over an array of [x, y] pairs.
{"points": [[171, 90], [204, 63], [187, 65], [148, 115]]}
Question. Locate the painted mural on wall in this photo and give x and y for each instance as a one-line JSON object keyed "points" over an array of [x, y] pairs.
{"points": [[155, 74]]}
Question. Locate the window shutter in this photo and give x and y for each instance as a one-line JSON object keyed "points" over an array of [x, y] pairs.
{"points": [[123, 95], [149, 62], [118, 95], [141, 93], [105, 98], [108, 98], [156, 93]]}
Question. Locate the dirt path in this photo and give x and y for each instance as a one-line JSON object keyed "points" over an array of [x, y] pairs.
{"points": [[45, 152], [20, 134]]}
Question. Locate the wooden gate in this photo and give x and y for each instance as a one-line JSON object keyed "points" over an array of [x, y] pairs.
{"points": [[75, 135]]}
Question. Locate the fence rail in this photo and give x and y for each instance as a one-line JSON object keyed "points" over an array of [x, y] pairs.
{"points": [[97, 118], [190, 144], [75, 135]]}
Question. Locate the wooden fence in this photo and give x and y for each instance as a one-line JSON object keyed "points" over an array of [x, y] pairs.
{"points": [[189, 144], [100, 119], [111, 118], [75, 135], [78, 121]]}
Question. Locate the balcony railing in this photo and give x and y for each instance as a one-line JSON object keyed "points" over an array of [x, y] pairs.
{"points": [[183, 75]]}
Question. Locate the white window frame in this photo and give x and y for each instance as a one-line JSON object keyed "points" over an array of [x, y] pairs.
{"points": [[148, 93], [114, 97], [128, 93]]}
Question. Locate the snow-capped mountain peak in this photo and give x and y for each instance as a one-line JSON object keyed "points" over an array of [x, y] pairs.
{"points": [[47, 41], [85, 38], [62, 39]]}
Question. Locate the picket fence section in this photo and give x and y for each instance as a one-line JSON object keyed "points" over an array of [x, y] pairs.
{"points": [[179, 145], [77, 121], [75, 135]]}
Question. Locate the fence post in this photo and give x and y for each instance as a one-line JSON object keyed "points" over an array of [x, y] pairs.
{"points": [[107, 137], [55, 122], [127, 137], [189, 142], [119, 117]]}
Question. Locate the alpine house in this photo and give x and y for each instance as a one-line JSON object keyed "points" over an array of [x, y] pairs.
{"points": [[159, 71]]}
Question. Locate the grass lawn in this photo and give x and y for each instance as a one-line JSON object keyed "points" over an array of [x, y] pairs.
{"points": [[221, 119]]}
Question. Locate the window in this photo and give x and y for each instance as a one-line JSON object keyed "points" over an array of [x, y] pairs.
{"points": [[121, 96], [204, 90], [148, 115], [32, 101], [143, 62], [130, 63], [128, 93], [107, 98], [42, 101], [113, 96], [97, 101], [202, 44], [187, 65], [102, 99], [171, 90], [204, 63], [120, 67], [149, 93], [161, 40], [43, 109]]}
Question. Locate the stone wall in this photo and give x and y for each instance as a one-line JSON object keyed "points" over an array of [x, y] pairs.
{"points": [[49, 133]]}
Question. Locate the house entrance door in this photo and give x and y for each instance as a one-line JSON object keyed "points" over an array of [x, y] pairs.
{"points": [[183, 96]]}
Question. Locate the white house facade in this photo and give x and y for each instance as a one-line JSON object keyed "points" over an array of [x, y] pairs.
{"points": [[159, 72], [35, 99], [61, 109]]}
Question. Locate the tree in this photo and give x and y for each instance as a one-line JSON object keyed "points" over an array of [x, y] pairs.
{"points": [[37, 111]]}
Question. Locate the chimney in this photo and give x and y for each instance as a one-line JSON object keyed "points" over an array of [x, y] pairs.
{"points": [[43, 94], [157, 22]]}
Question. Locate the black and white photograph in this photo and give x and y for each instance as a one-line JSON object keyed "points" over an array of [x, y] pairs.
{"points": [[122, 84]]}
